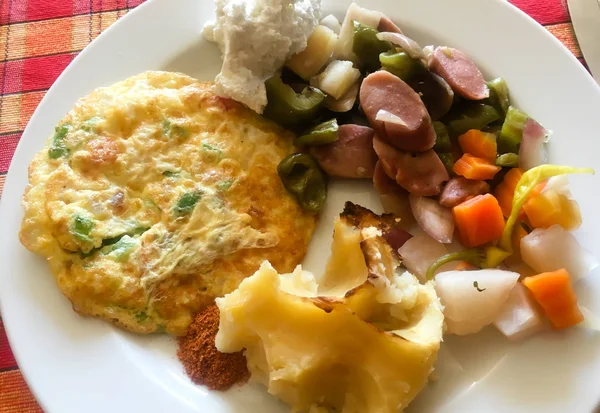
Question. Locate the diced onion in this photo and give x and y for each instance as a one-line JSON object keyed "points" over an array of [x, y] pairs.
{"points": [[387, 117], [520, 317], [419, 252], [331, 22], [532, 151], [433, 218], [407, 44], [550, 249]]}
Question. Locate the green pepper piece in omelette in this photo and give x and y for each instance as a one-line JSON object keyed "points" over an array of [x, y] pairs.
{"points": [[57, 148], [81, 227], [186, 203]]}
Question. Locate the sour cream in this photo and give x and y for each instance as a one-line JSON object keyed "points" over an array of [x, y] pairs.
{"points": [[256, 37]]}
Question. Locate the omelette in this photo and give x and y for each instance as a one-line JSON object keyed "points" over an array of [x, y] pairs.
{"points": [[154, 196]]}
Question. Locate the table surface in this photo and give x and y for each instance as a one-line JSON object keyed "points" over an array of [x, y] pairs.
{"points": [[39, 38]]}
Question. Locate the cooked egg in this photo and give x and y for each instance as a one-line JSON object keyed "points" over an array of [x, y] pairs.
{"points": [[154, 196]]}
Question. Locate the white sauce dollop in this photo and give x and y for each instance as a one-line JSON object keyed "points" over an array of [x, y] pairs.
{"points": [[256, 37]]}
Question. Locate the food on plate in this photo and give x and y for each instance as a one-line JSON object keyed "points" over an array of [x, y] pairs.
{"points": [[351, 155], [459, 71], [520, 316], [368, 347], [256, 38], [203, 363], [473, 299], [303, 178], [149, 201]]}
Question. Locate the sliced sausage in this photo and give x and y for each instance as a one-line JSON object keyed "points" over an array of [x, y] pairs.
{"points": [[384, 91], [419, 173], [383, 183], [458, 190], [351, 156], [460, 72], [387, 25]]}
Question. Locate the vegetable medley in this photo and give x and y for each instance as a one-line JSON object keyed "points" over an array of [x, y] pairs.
{"points": [[446, 150]]}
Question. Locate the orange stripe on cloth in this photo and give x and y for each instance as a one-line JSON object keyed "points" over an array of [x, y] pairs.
{"points": [[564, 32], [17, 110], [2, 180], [46, 37], [15, 396]]}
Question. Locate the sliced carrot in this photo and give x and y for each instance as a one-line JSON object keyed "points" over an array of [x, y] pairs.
{"points": [[472, 167], [464, 266], [479, 144], [479, 220], [505, 191], [554, 292]]}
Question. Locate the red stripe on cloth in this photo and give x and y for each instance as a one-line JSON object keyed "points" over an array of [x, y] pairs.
{"points": [[544, 12], [12, 10], [34, 73], [47, 9], [8, 144], [7, 360]]}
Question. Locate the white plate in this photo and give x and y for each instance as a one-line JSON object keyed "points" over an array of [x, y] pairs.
{"points": [[84, 365]]}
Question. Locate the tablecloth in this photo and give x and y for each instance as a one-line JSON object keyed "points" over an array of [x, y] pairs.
{"points": [[39, 38]]}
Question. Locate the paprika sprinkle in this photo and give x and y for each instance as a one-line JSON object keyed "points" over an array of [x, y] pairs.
{"points": [[203, 363]]}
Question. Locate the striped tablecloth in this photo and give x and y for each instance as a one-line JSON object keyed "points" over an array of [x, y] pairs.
{"points": [[39, 38]]}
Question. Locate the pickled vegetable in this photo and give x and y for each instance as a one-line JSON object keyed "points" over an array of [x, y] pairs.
{"points": [[337, 79], [368, 47], [302, 177], [400, 64], [508, 160], [470, 115], [499, 96], [448, 160], [512, 131], [321, 134], [289, 108], [442, 141]]}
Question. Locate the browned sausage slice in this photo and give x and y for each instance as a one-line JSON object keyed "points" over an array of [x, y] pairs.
{"points": [[419, 173], [458, 190], [460, 72], [351, 156], [382, 91], [387, 25]]}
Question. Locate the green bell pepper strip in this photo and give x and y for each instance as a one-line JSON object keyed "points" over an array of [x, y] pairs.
{"points": [[322, 134], [289, 108], [368, 47], [302, 177], [499, 95], [442, 140], [470, 115], [400, 64], [512, 131], [474, 256]]}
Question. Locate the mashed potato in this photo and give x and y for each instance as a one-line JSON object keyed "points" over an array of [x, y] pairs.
{"points": [[370, 349]]}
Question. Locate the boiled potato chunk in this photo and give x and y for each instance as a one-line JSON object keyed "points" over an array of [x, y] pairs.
{"points": [[370, 350], [319, 49]]}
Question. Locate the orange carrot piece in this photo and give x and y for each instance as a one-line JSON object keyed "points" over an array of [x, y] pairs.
{"points": [[554, 292], [505, 191], [479, 144], [479, 220], [472, 167]]}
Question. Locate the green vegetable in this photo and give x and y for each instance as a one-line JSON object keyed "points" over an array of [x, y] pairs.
{"points": [[81, 226], [170, 174], [186, 203], [57, 148], [123, 248], [512, 131], [400, 64], [171, 130], [302, 177], [474, 256], [321, 134], [442, 141], [499, 96], [210, 148], [510, 160], [141, 316], [470, 115], [448, 160], [367, 46], [224, 185], [289, 108]]}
